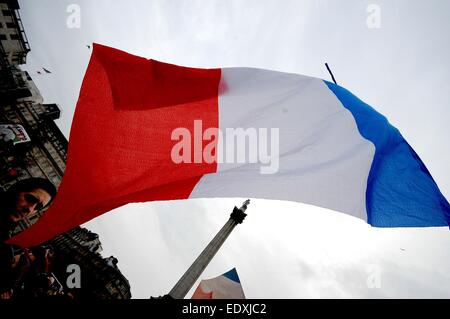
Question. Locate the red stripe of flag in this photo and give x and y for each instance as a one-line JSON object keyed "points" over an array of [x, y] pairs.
{"points": [[120, 141]]}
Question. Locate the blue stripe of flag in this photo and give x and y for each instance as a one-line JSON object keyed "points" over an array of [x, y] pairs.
{"points": [[400, 190]]}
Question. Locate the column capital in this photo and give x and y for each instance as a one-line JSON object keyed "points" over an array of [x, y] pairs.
{"points": [[238, 215]]}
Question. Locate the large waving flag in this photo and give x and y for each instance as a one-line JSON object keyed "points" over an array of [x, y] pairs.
{"points": [[145, 130], [226, 286]]}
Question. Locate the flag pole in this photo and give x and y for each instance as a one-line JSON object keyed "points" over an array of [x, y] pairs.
{"points": [[331, 73]]}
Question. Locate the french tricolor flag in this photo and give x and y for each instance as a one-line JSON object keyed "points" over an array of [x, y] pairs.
{"points": [[144, 130], [226, 286]]}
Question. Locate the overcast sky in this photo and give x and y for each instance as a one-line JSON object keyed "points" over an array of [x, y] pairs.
{"points": [[283, 249]]}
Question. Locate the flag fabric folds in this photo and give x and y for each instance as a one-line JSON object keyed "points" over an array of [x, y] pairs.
{"points": [[226, 286], [144, 130]]}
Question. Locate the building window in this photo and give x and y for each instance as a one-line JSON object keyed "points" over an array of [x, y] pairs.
{"points": [[2, 37], [6, 12], [14, 37], [10, 25]]}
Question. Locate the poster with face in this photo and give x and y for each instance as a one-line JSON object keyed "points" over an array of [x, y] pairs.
{"points": [[13, 132]]}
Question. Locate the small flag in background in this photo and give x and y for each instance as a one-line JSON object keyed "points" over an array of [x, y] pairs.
{"points": [[145, 130], [226, 286]]}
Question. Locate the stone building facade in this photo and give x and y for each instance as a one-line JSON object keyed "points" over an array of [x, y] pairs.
{"points": [[44, 154], [14, 43], [100, 278]]}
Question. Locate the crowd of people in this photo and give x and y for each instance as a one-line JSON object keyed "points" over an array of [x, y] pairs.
{"points": [[26, 272]]}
